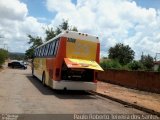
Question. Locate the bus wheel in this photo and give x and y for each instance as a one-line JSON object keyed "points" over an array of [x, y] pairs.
{"points": [[32, 72], [43, 79]]}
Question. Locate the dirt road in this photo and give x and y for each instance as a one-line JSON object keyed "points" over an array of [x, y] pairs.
{"points": [[21, 93]]}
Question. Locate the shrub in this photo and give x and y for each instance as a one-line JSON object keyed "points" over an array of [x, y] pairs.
{"points": [[113, 64], [147, 62], [103, 64], [135, 65], [159, 68], [3, 56], [123, 53]]}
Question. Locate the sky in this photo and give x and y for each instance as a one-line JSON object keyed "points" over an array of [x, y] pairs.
{"points": [[132, 22]]}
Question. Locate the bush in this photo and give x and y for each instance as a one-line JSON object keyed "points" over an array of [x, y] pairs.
{"points": [[123, 53], [113, 64], [147, 62], [103, 64], [3, 56], [159, 68], [135, 65]]}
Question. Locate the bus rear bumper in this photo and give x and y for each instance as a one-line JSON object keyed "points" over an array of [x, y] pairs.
{"points": [[71, 85]]}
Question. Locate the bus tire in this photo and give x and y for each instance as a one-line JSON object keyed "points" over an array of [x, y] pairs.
{"points": [[32, 72], [43, 79]]}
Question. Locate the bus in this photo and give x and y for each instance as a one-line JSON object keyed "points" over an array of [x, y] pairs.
{"points": [[68, 61]]}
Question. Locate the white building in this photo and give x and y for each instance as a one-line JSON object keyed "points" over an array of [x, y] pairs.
{"points": [[156, 65]]}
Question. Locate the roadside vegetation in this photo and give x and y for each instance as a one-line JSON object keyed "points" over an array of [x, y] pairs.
{"points": [[121, 57], [3, 56]]}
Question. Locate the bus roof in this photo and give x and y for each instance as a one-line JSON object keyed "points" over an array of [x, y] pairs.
{"points": [[75, 35]]}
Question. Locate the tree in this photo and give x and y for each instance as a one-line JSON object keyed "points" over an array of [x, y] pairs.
{"points": [[29, 53], [74, 29], [3, 56], [124, 54], [35, 41], [135, 65], [147, 61], [51, 33], [158, 69], [64, 25], [58, 31], [112, 64]]}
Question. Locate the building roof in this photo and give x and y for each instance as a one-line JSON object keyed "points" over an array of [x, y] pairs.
{"points": [[104, 59], [157, 62]]}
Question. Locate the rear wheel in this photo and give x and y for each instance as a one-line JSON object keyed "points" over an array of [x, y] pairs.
{"points": [[43, 79], [32, 71]]}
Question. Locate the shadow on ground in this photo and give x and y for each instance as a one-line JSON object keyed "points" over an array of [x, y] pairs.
{"points": [[62, 94]]}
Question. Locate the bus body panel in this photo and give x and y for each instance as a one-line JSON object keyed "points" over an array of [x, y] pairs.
{"points": [[39, 67], [52, 65], [73, 85]]}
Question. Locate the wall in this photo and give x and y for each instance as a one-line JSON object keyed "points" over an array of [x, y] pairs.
{"points": [[156, 67], [148, 81]]}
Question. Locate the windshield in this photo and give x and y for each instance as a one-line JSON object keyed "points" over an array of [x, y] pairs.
{"points": [[81, 49]]}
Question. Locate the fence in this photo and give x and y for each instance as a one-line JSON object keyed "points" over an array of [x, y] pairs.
{"points": [[142, 80]]}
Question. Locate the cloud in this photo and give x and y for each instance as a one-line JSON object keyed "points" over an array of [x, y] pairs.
{"points": [[113, 21], [56, 5], [15, 24], [13, 9]]}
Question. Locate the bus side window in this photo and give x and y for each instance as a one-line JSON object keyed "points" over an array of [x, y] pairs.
{"points": [[46, 50], [43, 51], [56, 47], [38, 52], [52, 48], [35, 51], [49, 49]]}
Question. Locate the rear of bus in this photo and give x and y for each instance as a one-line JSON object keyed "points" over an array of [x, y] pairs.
{"points": [[79, 54]]}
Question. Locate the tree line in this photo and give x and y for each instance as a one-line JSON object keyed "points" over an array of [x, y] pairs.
{"points": [[122, 57]]}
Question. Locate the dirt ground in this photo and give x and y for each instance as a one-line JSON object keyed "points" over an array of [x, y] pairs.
{"points": [[146, 99]]}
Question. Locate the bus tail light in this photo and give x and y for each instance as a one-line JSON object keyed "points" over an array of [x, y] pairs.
{"points": [[57, 72], [95, 81]]}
